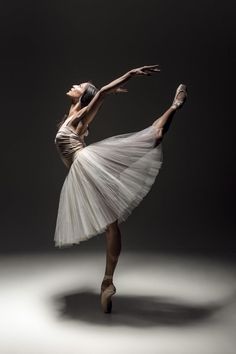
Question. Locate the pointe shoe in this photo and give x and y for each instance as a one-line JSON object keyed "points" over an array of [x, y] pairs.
{"points": [[178, 102], [106, 295]]}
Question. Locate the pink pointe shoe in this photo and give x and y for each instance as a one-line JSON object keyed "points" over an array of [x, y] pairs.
{"points": [[182, 93], [106, 295]]}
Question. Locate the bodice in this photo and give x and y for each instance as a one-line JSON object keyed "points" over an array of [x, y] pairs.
{"points": [[68, 143]]}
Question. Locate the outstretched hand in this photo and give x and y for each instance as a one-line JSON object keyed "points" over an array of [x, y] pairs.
{"points": [[116, 85], [145, 70]]}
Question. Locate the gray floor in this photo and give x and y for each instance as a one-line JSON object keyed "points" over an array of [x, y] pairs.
{"points": [[164, 304]]}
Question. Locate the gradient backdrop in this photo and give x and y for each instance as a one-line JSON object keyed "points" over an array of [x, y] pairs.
{"points": [[46, 46]]}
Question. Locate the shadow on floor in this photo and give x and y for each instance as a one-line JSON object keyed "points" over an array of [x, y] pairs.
{"points": [[135, 311]]}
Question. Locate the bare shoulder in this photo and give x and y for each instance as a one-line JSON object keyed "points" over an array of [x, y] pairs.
{"points": [[75, 117], [79, 120], [76, 121], [92, 109]]}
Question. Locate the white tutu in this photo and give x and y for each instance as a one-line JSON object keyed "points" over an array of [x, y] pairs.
{"points": [[105, 182]]}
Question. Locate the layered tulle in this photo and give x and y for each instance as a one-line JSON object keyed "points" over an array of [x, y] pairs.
{"points": [[106, 181]]}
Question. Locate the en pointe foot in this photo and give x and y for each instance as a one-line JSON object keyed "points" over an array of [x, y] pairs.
{"points": [[180, 96], [107, 291]]}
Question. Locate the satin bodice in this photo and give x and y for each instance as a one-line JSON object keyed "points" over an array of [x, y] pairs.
{"points": [[68, 143]]}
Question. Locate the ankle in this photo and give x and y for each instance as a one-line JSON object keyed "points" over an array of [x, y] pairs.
{"points": [[105, 284], [173, 107], [107, 280], [108, 277]]}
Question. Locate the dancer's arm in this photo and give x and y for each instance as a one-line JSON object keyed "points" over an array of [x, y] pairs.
{"points": [[89, 112], [114, 86]]}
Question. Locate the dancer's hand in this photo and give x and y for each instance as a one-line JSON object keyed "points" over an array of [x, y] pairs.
{"points": [[116, 85], [145, 70], [120, 89]]}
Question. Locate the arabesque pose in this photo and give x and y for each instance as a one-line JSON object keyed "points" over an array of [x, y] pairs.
{"points": [[107, 179]]}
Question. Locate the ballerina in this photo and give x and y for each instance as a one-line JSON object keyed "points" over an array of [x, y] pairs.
{"points": [[107, 179]]}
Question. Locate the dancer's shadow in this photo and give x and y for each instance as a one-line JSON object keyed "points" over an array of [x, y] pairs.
{"points": [[135, 311]]}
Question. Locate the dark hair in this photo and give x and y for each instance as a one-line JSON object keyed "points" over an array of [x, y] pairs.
{"points": [[87, 96]]}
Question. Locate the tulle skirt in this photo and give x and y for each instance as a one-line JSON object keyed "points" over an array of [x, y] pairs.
{"points": [[106, 181]]}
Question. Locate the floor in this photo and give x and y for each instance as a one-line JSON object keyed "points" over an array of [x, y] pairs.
{"points": [[165, 303]]}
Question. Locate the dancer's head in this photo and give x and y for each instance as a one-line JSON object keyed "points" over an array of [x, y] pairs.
{"points": [[83, 92]]}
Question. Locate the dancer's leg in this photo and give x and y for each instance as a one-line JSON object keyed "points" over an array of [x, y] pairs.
{"points": [[162, 124], [113, 249]]}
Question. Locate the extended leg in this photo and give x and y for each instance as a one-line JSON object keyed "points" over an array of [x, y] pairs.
{"points": [[162, 124], [113, 249]]}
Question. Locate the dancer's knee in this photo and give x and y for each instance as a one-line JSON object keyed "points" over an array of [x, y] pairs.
{"points": [[159, 132], [159, 135], [113, 226]]}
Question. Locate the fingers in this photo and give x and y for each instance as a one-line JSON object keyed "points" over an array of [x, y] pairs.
{"points": [[146, 70], [121, 90], [152, 69], [149, 69]]}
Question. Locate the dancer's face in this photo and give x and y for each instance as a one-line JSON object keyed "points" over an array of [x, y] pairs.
{"points": [[77, 90]]}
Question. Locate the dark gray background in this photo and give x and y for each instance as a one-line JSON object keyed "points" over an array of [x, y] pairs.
{"points": [[47, 46]]}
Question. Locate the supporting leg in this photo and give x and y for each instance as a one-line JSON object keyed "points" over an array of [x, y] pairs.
{"points": [[113, 249]]}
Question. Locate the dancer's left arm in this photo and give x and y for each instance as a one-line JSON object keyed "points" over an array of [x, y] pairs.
{"points": [[89, 112], [115, 86]]}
